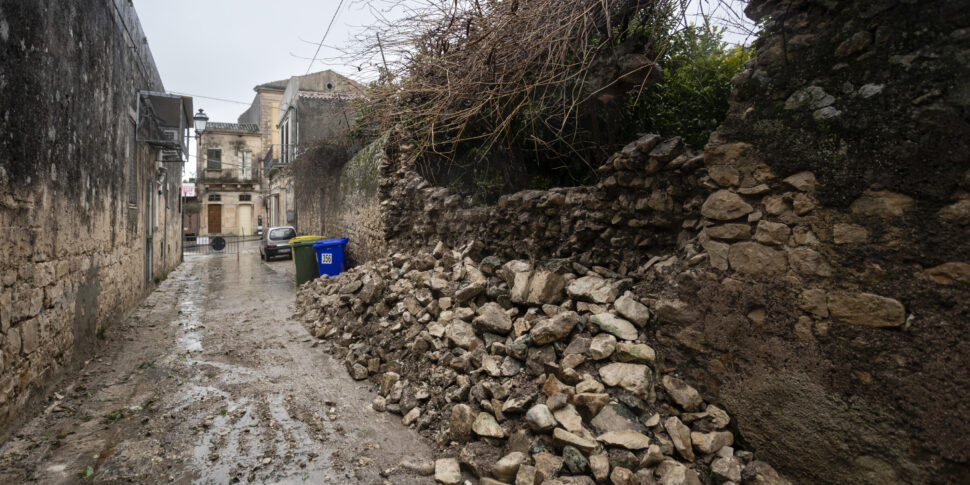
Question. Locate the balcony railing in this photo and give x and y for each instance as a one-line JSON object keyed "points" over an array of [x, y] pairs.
{"points": [[230, 176]]}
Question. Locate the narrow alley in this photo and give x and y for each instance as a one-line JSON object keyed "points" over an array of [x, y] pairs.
{"points": [[211, 381]]}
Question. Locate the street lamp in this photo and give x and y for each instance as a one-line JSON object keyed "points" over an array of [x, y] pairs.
{"points": [[201, 119]]}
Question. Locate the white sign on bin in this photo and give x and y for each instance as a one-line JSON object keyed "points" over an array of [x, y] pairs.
{"points": [[326, 258]]}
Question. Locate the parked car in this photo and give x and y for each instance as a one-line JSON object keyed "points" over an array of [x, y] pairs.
{"points": [[276, 242]]}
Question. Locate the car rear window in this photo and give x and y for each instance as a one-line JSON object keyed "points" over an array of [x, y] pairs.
{"points": [[283, 233]]}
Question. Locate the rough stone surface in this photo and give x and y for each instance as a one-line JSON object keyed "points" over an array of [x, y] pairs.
{"points": [[615, 326], [725, 205], [866, 309]]}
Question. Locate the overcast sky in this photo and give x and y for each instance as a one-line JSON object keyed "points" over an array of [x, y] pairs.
{"points": [[223, 48]]}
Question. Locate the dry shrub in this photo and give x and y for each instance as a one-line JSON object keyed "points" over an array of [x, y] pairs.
{"points": [[512, 73]]}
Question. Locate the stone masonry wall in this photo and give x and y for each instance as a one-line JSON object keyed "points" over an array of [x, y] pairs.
{"points": [[634, 212], [811, 270], [74, 248], [343, 202]]}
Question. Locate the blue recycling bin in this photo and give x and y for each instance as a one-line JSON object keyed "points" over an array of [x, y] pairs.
{"points": [[330, 256]]}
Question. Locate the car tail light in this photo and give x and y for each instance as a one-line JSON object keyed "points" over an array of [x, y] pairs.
{"points": [[270, 246]]}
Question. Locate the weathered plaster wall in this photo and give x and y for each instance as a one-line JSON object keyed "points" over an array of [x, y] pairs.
{"points": [[74, 256], [342, 201]]}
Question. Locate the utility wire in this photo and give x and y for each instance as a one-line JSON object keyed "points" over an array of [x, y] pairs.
{"points": [[325, 34], [210, 97]]}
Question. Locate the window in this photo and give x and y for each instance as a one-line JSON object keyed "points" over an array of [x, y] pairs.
{"points": [[282, 233], [245, 198], [329, 86], [285, 142], [245, 165], [213, 159], [132, 164], [215, 198]]}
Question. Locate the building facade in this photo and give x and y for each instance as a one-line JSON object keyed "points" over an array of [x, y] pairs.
{"points": [[312, 108], [91, 158], [228, 179]]}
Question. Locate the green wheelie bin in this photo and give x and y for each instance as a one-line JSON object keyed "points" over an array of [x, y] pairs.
{"points": [[305, 258]]}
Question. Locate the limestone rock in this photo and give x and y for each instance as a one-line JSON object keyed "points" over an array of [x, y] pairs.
{"points": [[680, 436], [754, 258], [593, 289], [615, 325], [508, 466], [866, 309], [632, 377], [602, 346], [485, 425], [628, 439], [881, 203], [594, 401], [803, 181], [599, 465], [958, 213], [622, 476], [492, 318], [546, 288], [520, 286], [711, 442], [849, 234], [725, 205], [676, 311], [637, 353], [460, 333], [555, 328], [565, 438], [684, 395], [526, 475], [734, 231], [540, 418], [761, 473], [547, 465], [727, 468], [772, 232], [468, 292], [460, 425], [808, 261], [815, 302], [447, 471], [632, 310], [674, 473], [950, 273], [569, 418], [616, 417]]}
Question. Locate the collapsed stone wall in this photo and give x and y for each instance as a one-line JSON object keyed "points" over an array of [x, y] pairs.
{"points": [[817, 267], [74, 247], [634, 212], [343, 201]]}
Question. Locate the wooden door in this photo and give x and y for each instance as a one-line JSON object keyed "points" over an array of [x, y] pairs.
{"points": [[215, 219], [244, 219]]}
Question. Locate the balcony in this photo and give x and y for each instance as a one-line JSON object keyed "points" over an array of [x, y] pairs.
{"points": [[230, 176], [163, 122]]}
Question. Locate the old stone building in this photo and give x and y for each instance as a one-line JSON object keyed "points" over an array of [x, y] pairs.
{"points": [[91, 155], [313, 108], [228, 178]]}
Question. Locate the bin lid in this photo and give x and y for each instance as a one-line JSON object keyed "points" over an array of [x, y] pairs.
{"points": [[305, 239], [326, 243]]}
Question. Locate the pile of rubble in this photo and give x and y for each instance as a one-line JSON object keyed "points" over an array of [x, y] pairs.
{"points": [[524, 373]]}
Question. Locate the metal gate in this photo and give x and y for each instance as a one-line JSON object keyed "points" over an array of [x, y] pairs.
{"points": [[217, 244]]}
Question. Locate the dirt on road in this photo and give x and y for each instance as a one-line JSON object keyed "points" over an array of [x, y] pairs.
{"points": [[211, 381]]}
